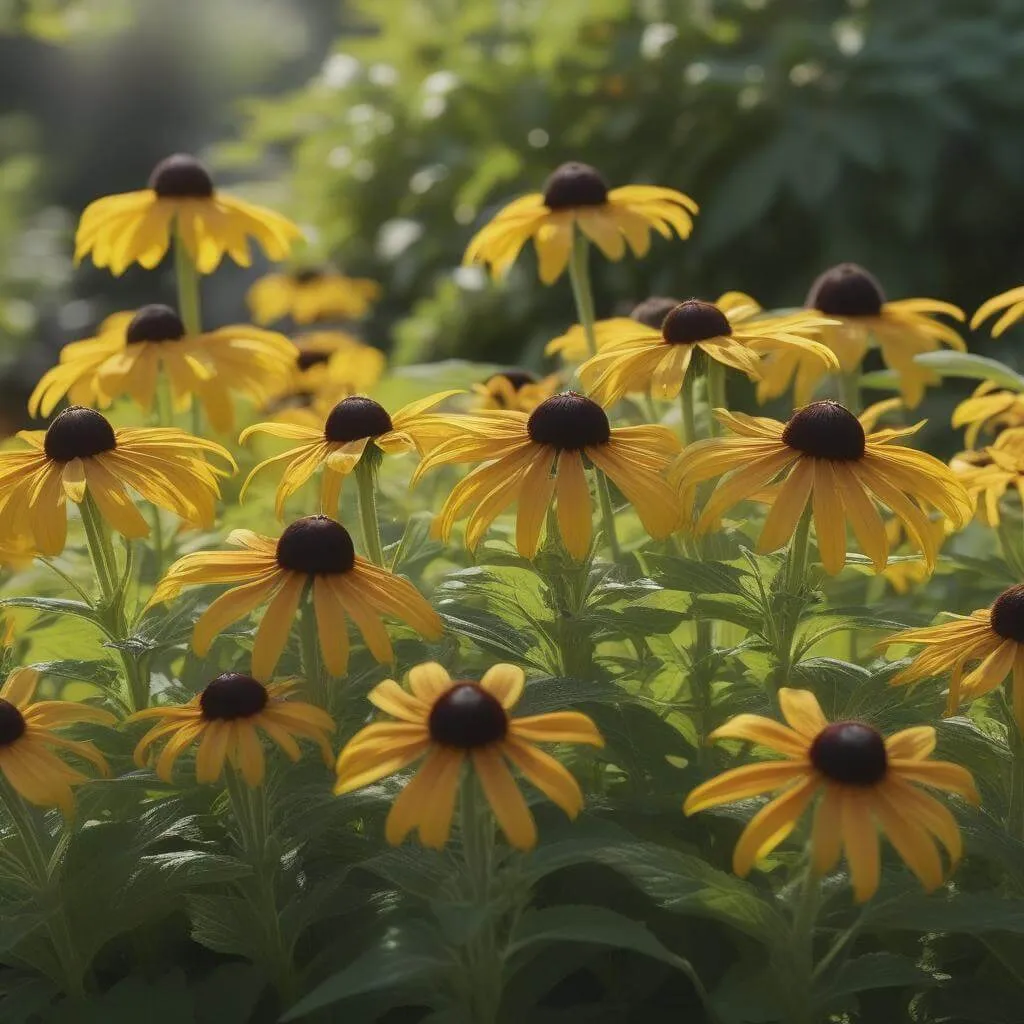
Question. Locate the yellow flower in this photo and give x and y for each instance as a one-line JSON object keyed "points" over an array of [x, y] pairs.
{"points": [[226, 720], [447, 722], [519, 452], [866, 782], [989, 639], [636, 358], [908, 574], [28, 743], [572, 345], [80, 453], [313, 551], [136, 227], [308, 294], [132, 350], [902, 329], [988, 473], [823, 456], [1012, 305], [515, 389], [990, 408], [340, 440], [576, 195]]}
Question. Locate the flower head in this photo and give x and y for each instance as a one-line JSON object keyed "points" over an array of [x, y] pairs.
{"points": [[342, 438], [136, 227], [823, 456], [1010, 304], [864, 782], [131, 351], [313, 551], [573, 344], [576, 195], [988, 473], [309, 294], [226, 720], [515, 389], [632, 357], [536, 458], [902, 329], [81, 454], [991, 409], [449, 723], [29, 744]]}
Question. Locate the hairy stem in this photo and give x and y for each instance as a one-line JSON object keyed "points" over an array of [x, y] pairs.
{"points": [[365, 474], [579, 278]]}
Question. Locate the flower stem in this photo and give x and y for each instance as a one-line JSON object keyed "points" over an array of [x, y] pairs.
{"points": [[788, 616], [1014, 740], [604, 499], [309, 654], [805, 917], [716, 394], [849, 391], [687, 403], [189, 308], [100, 550], [579, 278], [796, 558], [365, 474]]}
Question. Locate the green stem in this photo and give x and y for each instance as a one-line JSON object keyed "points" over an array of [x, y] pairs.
{"points": [[189, 309], [849, 391], [796, 559], [804, 919], [716, 394], [579, 278], [309, 655], [365, 474], [794, 582], [1014, 740], [687, 403], [604, 499], [100, 550]]}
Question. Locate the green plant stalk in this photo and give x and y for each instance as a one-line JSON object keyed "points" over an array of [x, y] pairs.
{"points": [[849, 391], [309, 654], [365, 474], [796, 559], [716, 394], [164, 418], [186, 278], [604, 499], [1014, 740], [805, 917], [687, 413], [795, 580], [37, 865], [579, 278]]}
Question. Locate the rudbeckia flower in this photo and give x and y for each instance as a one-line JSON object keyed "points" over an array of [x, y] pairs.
{"points": [[572, 345], [990, 641], [865, 783], [634, 358], [988, 473], [339, 442], [29, 745], [515, 389], [136, 227], [81, 454], [314, 550], [908, 574], [1010, 303], [536, 458], [577, 196], [308, 294], [449, 723], [131, 351], [902, 329], [991, 409], [823, 456], [226, 720]]}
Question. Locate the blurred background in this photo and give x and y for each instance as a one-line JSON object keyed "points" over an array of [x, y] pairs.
{"points": [[810, 131]]}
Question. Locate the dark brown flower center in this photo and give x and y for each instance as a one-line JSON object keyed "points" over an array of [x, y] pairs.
{"points": [[304, 360], [575, 184], [846, 290], [316, 546], [652, 312], [181, 177], [569, 421], [694, 321], [232, 695], [467, 716], [307, 275], [1007, 616], [12, 724], [356, 417], [78, 433], [825, 430], [517, 378], [850, 752], [154, 323]]}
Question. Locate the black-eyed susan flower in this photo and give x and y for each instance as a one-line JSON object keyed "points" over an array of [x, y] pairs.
{"points": [[573, 347], [136, 227], [632, 357], [131, 352], [990, 409], [538, 457], [340, 441], [308, 294], [902, 329], [577, 196], [822, 456], [989, 473], [865, 783], [226, 721], [314, 551], [908, 574], [1010, 304], [449, 723], [978, 652], [80, 454], [29, 744], [515, 389]]}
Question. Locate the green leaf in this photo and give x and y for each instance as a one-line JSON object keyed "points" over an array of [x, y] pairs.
{"points": [[56, 606], [872, 971], [690, 576], [950, 363], [972, 913], [188, 868]]}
